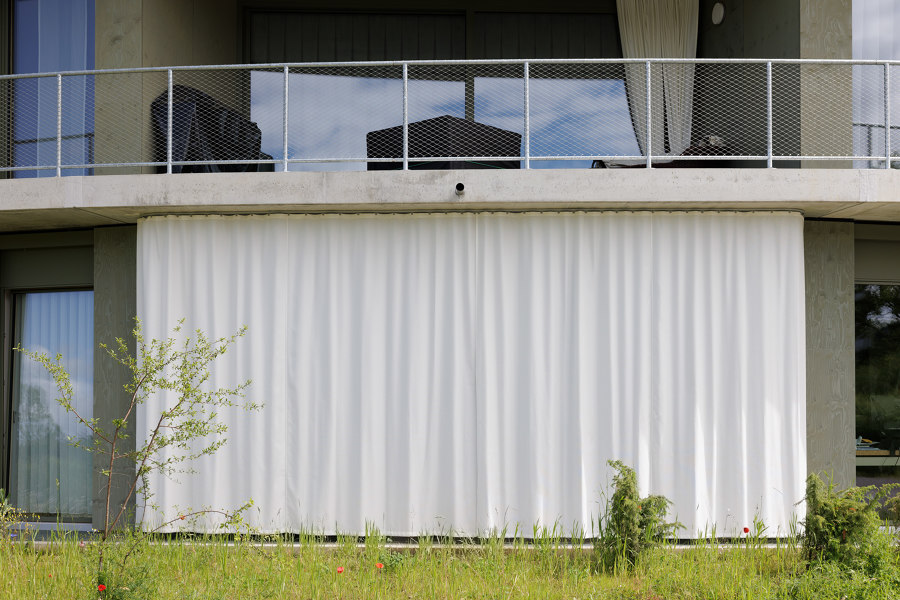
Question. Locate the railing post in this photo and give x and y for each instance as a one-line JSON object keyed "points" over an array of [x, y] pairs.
{"points": [[284, 161], [887, 116], [59, 125], [527, 141], [769, 114], [649, 126], [169, 125], [405, 117]]}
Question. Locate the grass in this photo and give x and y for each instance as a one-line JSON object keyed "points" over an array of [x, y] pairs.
{"points": [[214, 568]]}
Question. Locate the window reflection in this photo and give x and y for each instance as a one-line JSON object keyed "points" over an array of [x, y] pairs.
{"points": [[330, 111], [877, 384], [51, 36]]}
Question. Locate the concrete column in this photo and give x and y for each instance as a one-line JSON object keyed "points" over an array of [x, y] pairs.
{"points": [[826, 91], [118, 106], [115, 306], [830, 360]]}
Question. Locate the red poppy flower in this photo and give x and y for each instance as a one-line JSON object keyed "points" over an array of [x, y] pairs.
{"points": [[49, 574], [340, 569], [101, 587], [746, 530], [379, 566]]}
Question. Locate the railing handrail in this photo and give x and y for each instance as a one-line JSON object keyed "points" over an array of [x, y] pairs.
{"points": [[461, 62]]}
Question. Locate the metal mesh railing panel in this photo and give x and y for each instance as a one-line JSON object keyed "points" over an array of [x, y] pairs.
{"points": [[894, 102], [77, 121], [332, 110], [122, 123], [471, 111], [351, 116], [33, 131], [210, 112], [868, 114], [729, 109], [6, 155], [812, 110], [582, 110]]}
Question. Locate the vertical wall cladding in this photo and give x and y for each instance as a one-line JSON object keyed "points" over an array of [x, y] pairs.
{"points": [[115, 306], [830, 380]]}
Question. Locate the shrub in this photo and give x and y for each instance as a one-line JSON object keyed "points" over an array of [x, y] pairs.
{"points": [[632, 524], [844, 527], [11, 519]]}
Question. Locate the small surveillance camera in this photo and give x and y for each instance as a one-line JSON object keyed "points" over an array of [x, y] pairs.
{"points": [[460, 189]]}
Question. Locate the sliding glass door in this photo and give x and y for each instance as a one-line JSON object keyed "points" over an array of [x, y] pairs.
{"points": [[48, 475], [877, 384]]}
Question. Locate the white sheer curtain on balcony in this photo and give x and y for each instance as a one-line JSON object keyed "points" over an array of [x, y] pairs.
{"points": [[462, 372], [653, 29]]}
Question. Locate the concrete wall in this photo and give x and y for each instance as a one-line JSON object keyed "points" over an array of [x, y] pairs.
{"points": [[115, 306], [730, 100], [812, 105], [751, 29], [157, 33], [830, 359]]}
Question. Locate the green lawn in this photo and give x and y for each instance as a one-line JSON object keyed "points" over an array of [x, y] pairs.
{"points": [[216, 569]]}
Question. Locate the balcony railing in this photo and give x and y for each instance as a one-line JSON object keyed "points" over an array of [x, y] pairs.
{"points": [[447, 114]]}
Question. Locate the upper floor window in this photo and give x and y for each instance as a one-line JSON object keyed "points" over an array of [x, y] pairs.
{"points": [[350, 112], [876, 24], [50, 36]]}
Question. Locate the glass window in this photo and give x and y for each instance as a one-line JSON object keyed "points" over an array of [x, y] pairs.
{"points": [[877, 384], [876, 24], [48, 475], [51, 36]]}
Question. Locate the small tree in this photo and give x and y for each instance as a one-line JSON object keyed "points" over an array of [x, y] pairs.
{"points": [[188, 429]]}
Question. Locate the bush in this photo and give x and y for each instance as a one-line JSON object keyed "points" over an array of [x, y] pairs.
{"points": [[11, 519], [844, 528], [632, 524]]}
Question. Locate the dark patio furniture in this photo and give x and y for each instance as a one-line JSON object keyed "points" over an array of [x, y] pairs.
{"points": [[444, 136], [204, 129]]}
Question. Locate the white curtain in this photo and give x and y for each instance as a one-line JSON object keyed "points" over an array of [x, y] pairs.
{"points": [[474, 371], [653, 29]]}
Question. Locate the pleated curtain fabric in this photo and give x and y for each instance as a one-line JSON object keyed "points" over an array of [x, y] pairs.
{"points": [[467, 372], [653, 29]]}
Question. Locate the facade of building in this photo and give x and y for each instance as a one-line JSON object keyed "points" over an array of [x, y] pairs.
{"points": [[457, 360]]}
